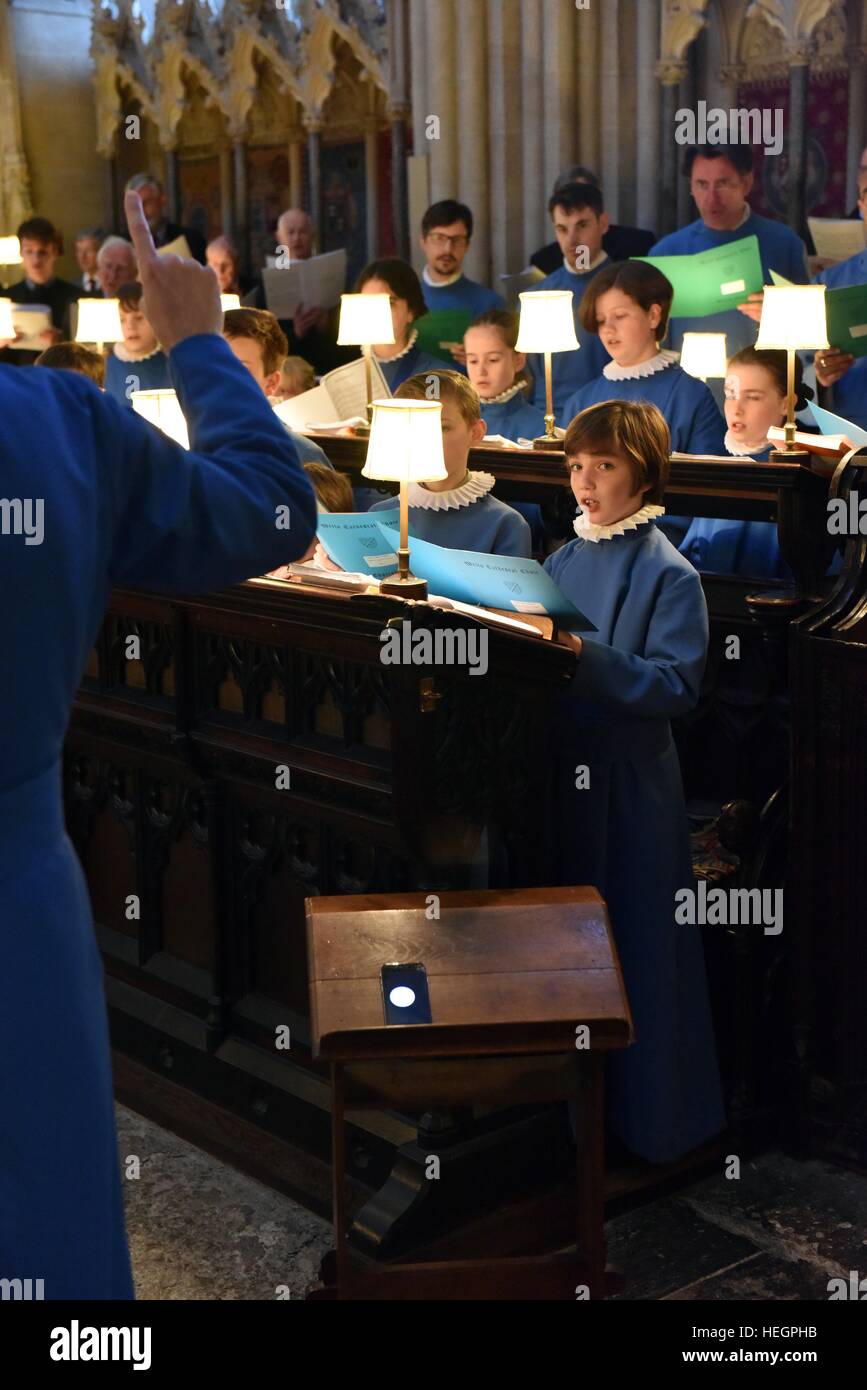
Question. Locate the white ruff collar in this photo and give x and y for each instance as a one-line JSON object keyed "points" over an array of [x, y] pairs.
{"points": [[122, 353], [659, 363], [504, 396], [398, 355], [587, 530], [440, 284], [477, 485], [739, 450], [594, 264]]}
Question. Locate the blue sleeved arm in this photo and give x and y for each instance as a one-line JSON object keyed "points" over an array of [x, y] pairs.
{"points": [[666, 680], [514, 537], [707, 428], [573, 406], [237, 504]]}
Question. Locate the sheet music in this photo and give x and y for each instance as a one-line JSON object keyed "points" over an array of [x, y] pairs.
{"points": [[31, 320], [837, 238], [179, 247], [320, 280]]}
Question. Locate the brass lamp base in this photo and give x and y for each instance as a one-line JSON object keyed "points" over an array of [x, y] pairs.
{"points": [[362, 431], [408, 587], [788, 456], [544, 442]]}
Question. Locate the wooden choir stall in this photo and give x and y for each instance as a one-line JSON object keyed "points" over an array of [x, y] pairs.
{"points": [[251, 751]]}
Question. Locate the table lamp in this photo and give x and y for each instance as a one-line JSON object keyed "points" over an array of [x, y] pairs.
{"points": [[704, 355], [98, 322], [7, 326], [793, 317], [547, 326], [365, 319], [163, 410], [230, 301], [406, 446], [10, 253]]}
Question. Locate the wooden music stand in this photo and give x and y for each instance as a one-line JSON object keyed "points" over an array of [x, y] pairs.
{"points": [[512, 975]]}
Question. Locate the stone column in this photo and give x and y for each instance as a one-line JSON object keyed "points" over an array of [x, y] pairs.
{"points": [[587, 86], [313, 126], [397, 116], [857, 134], [799, 72], [418, 50], [611, 99], [537, 228], [647, 115], [686, 100], [227, 210], [670, 75], [505, 136], [371, 130], [559, 28], [296, 176], [443, 98], [471, 110], [242, 225], [170, 164], [728, 78], [113, 213]]}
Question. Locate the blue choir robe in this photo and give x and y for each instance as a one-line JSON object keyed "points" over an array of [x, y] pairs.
{"points": [[569, 370], [123, 505], [416, 361], [716, 545], [848, 396], [148, 374], [307, 449], [780, 249], [626, 833], [487, 525], [515, 419], [692, 414], [463, 294]]}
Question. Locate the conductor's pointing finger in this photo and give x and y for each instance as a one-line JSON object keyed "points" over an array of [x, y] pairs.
{"points": [[139, 230]]}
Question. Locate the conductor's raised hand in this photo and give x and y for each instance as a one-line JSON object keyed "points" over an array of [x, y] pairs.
{"points": [[181, 298]]}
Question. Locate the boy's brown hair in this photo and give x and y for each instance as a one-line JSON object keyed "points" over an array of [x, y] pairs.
{"points": [[504, 320], [300, 371], [263, 328], [333, 489], [636, 431], [444, 386], [129, 296], [74, 357], [641, 282]]}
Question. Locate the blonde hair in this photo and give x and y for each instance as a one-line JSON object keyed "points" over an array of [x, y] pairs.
{"points": [[451, 386]]}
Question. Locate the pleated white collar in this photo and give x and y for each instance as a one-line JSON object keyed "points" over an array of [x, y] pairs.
{"points": [[123, 354], [504, 396], [659, 363], [403, 352], [740, 450], [476, 486], [587, 530]]}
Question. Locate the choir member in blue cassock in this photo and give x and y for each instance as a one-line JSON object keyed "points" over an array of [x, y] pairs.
{"points": [[721, 177], [119, 504], [620, 813], [756, 398], [446, 233], [627, 305], [403, 358], [460, 512], [845, 376], [580, 223], [137, 362]]}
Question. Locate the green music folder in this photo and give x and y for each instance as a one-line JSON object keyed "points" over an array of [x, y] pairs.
{"points": [[442, 326], [846, 311], [710, 282]]}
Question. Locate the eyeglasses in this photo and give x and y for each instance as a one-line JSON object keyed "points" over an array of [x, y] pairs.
{"points": [[440, 239]]}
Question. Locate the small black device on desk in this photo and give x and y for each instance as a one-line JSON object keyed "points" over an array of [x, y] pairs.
{"points": [[405, 996]]}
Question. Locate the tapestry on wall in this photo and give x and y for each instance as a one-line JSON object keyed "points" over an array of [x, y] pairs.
{"points": [[344, 205], [267, 196], [827, 125], [199, 181]]}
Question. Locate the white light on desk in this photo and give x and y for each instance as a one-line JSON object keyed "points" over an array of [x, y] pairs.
{"points": [[98, 322], [793, 317], [406, 446], [704, 355], [365, 319], [547, 325], [163, 410], [10, 250], [230, 301], [7, 327]]}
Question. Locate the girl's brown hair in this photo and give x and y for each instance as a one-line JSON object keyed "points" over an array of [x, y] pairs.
{"points": [[636, 431], [642, 282]]}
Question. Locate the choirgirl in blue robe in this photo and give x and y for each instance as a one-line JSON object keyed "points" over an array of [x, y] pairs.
{"points": [[118, 504], [627, 305], [756, 398], [137, 363], [620, 813], [848, 396], [403, 358]]}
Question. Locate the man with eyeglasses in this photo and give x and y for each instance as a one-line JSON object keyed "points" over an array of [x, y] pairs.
{"points": [[446, 232], [721, 179]]}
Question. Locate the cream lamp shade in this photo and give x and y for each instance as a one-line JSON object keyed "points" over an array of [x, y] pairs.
{"points": [[546, 323], [7, 327], [230, 301], [98, 321], [365, 319], [704, 354], [163, 410], [793, 316], [406, 442], [10, 250]]}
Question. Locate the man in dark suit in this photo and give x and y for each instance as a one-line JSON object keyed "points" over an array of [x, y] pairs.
{"points": [[155, 204], [41, 245], [87, 245], [620, 243]]}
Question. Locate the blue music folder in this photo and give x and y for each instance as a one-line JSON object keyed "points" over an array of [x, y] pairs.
{"points": [[829, 423], [510, 582], [354, 541]]}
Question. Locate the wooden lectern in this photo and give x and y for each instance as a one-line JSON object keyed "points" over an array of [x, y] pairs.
{"points": [[512, 976]]}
